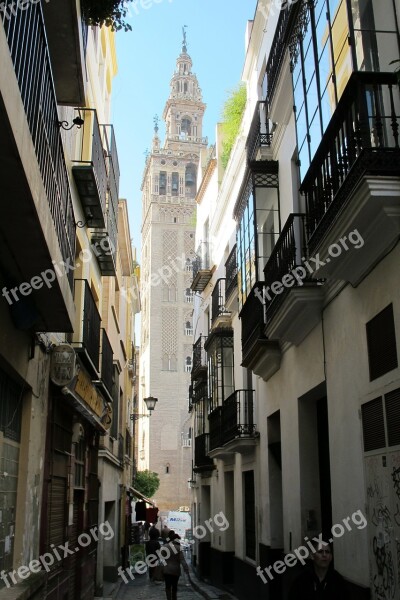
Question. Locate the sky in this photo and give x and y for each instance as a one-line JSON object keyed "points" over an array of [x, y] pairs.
{"points": [[146, 62]]}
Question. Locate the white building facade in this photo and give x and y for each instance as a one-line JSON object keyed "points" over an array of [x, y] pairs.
{"points": [[296, 393]]}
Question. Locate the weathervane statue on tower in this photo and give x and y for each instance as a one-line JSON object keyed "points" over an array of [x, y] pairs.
{"points": [[184, 43]]}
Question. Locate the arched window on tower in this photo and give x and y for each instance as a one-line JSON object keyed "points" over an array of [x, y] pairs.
{"points": [[186, 126], [175, 184], [190, 180], [185, 87], [188, 328], [188, 364]]}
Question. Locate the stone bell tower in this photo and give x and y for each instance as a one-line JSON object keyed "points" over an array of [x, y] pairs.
{"points": [[168, 235]]}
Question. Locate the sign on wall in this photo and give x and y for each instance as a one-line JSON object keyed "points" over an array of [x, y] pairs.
{"points": [[62, 365]]}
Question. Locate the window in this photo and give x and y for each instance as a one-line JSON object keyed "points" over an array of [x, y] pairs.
{"points": [[169, 293], [188, 295], [169, 362], [167, 468], [259, 227], [163, 183], [324, 60], [381, 422], [175, 184], [188, 364], [186, 125], [381, 342], [80, 450], [188, 328], [220, 367], [188, 266]]}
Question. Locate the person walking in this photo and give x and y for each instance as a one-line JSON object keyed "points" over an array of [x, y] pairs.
{"points": [[152, 545], [320, 581], [172, 566]]}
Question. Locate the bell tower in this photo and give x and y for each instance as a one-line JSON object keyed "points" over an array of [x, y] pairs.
{"points": [[168, 235]]}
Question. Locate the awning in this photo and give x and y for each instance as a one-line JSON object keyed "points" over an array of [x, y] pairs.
{"points": [[140, 495]]}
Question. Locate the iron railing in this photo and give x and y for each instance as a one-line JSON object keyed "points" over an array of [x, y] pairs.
{"points": [[89, 333], [92, 152], [362, 137], [201, 450], [107, 368], [287, 17], [288, 253], [112, 163], [202, 259], [199, 356], [231, 272], [238, 416], [26, 37], [200, 392], [218, 300], [252, 317], [215, 422], [259, 133]]}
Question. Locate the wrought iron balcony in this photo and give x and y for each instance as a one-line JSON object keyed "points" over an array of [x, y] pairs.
{"points": [[200, 392], [287, 18], [285, 257], [202, 269], [234, 420], [238, 416], [86, 336], [199, 367], [202, 462], [107, 368], [361, 139], [259, 135], [261, 355], [104, 244], [231, 271], [215, 423], [26, 38], [112, 163], [219, 314], [90, 171]]}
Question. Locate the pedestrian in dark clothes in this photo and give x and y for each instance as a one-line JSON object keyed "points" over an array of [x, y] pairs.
{"points": [[320, 581], [151, 548], [172, 566]]}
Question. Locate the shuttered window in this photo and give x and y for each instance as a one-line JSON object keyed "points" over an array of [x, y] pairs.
{"points": [[381, 341], [381, 422], [392, 402], [373, 425]]}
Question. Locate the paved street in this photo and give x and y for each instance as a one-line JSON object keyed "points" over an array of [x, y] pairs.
{"points": [[142, 589]]}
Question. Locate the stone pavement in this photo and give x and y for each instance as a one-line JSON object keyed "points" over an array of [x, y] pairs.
{"points": [[142, 589]]}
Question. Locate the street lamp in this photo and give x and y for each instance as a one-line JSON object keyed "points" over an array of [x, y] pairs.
{"points": [[150, 403]]}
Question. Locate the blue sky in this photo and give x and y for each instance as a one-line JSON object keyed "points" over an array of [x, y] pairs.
{"points": [[146, 61]]}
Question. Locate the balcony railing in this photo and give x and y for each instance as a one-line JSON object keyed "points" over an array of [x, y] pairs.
{"points": [[112, 163], [86, 336], [202, 270], [231, 273], [286, 256], [90, 170], [26, 37], [234, 419], [218, 308], [187, 138], [200, 392], [361, 138], [252, 317], [107, 367], [215, 421], [259, 134], [238, 416], [201, 449], [199, 358], [287, 17]]}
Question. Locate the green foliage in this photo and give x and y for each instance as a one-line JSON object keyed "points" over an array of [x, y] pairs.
{"points": [[110, 13], [147, 482], [232, 114]]}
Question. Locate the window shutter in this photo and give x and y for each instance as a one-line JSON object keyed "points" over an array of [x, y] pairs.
{"points": [[392, 402], [381, 341], [373, 425]]}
